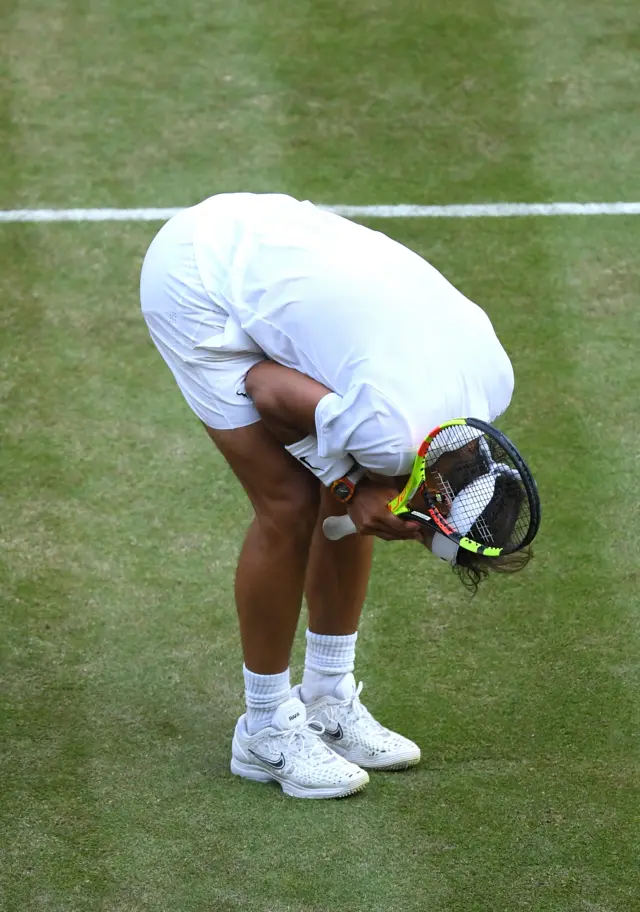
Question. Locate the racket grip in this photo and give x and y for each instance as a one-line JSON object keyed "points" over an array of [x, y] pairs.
{"points": [[336, 527]]}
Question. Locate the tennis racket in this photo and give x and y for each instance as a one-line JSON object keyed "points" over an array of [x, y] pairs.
{"points": [[483, 499]]}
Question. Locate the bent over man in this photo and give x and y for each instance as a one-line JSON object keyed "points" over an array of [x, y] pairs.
{"points": [[318, 354]]}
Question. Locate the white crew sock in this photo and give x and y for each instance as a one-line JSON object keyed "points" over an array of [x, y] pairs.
{"points": [[328, 659], [264, 694]]}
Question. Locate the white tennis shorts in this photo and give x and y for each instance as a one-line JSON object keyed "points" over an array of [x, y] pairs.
{"points": [[181, 316]]}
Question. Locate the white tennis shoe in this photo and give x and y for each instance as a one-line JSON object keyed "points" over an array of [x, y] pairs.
{"points": [[292, 752], [351, 731]]}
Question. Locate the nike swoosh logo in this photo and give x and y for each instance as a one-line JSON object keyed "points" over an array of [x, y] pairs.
{"points": [[306, 462], [240, 393], [337, 732], [276, 764]]}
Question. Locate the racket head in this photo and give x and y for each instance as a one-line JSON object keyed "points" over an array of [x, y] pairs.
{"points": [[477, 489]]}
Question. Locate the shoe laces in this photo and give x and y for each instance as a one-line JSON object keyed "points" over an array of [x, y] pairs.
{"points": [[355, 706], [358, 710], [305, 740]]}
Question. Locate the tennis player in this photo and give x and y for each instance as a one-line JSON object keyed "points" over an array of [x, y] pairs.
{"points": [[318, 354]]}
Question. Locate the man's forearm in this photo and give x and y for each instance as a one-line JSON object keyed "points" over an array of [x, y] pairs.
{"points": [[285, 399]]}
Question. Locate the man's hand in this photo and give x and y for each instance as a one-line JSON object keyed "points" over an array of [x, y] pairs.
{"points": [[370, 513]]}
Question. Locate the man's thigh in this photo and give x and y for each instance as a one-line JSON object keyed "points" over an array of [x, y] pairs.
{"points": [[276, 484]]}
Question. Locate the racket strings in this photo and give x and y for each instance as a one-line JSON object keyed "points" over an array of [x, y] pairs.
{"points": [[494, 509], [485, 532], [507, 514], [445, 489]]}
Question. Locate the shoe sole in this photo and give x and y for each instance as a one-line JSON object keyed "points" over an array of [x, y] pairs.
{"points": [[399, 762], [392, 767], [257, 774]]}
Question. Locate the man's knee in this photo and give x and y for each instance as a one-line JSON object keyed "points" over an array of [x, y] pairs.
{"points": [[284, 495], [291, 508]]}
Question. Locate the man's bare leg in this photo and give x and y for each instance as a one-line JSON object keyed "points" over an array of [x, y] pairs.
{"points": [[269, 586], [272, 565], [337, 575], [336, 586]]}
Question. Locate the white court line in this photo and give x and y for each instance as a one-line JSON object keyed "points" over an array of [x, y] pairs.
{"points": [[471, 210]]}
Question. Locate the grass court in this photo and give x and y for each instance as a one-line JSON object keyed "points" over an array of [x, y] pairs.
{"points": [[120, 524]]}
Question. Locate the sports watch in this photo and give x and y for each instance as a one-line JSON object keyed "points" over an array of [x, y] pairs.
{"points": [[344, 488]]}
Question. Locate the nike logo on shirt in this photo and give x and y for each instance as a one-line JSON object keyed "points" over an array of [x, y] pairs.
{"points": [[276, 764]]}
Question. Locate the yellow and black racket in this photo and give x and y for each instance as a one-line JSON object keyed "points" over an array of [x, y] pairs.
{"points": [[477, 490]]}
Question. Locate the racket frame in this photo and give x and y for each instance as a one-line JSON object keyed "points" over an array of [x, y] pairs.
{"points": [[433, 519]]}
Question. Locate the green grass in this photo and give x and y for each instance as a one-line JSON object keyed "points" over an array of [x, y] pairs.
{"points": [[119, 656]]}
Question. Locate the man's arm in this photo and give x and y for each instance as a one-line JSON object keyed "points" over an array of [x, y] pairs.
{"points": [[285, 399]]}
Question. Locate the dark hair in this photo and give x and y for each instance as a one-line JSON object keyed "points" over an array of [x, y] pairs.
{"points": [[499, 517]]}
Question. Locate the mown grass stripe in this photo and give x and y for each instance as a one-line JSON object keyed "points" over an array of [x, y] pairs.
{"points": [[466, 210]]}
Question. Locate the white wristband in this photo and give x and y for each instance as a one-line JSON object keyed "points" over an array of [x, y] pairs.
{"points": [[444, 548], [326, 468]]}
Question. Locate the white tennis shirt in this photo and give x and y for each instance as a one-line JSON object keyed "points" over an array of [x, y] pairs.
{"points": [[401, 349]]}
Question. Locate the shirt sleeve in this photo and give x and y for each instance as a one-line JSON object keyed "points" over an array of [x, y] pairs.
{"points": [[366, 425]]}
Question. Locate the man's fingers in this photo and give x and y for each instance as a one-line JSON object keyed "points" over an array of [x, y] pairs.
{"points": [[399, 531], [380, 533], [400, 527]]}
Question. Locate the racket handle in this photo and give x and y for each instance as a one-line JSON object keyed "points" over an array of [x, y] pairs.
{"points": [[335, 527]]}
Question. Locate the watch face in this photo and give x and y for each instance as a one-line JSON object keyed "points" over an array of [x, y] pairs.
{"points": [[342, 490]]}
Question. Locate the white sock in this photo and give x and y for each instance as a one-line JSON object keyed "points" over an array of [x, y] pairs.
{"points": [[328, 659], [264, 694]]}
